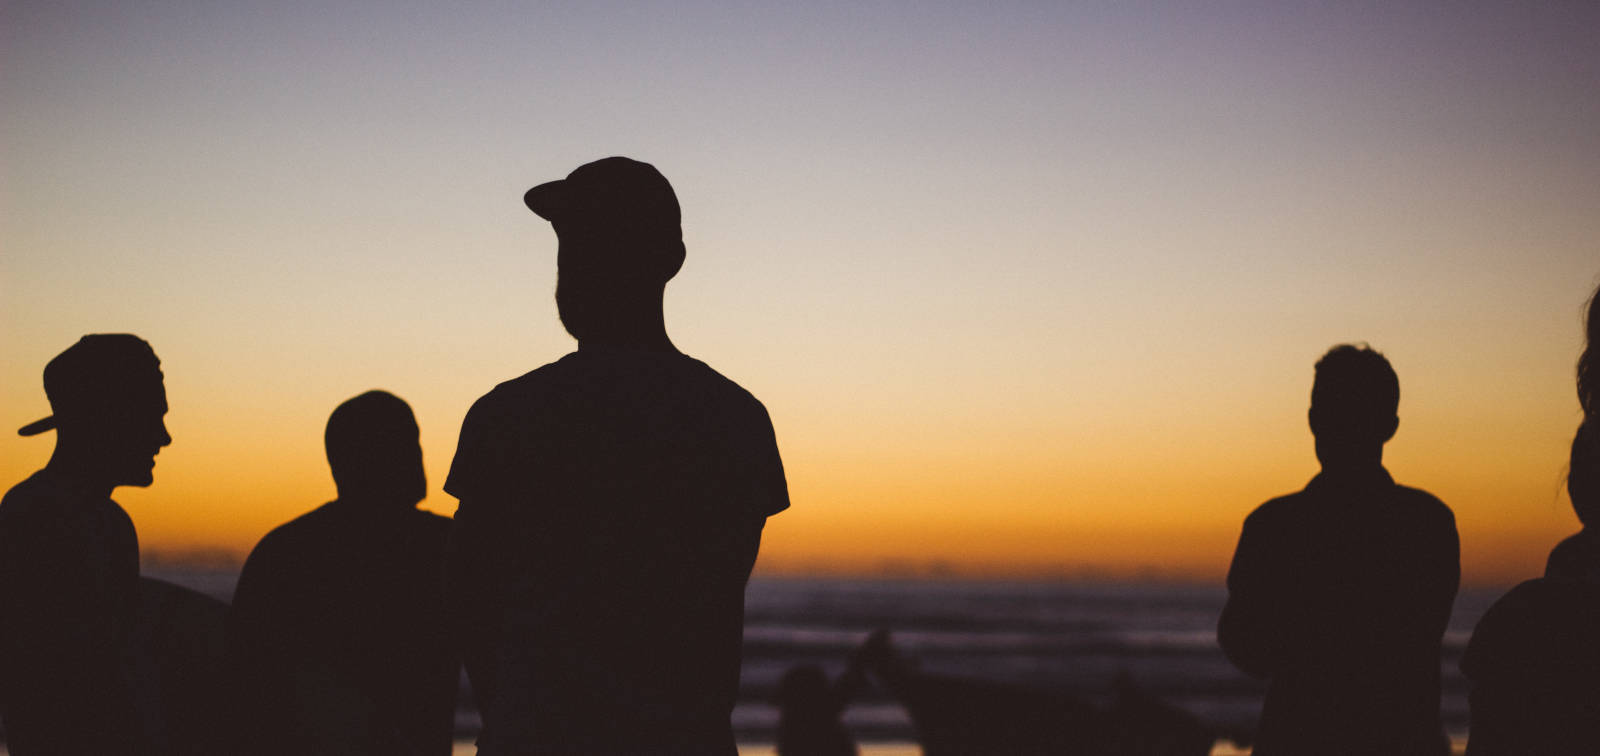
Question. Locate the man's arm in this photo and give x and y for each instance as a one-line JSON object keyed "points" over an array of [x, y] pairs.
{"points": [[1446, 576], [1248, 632], [773, 495], [472, 601], [475, 558]]}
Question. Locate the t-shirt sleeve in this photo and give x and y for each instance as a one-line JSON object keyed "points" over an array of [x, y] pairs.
{"points": [[1245, 631], [484, 452], [1446, 578], [466, 468], [474, 552], [773, 487]]}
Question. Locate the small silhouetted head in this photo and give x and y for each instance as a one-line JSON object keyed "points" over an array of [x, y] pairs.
{"points": [[374, 452], [108, 407], [804, 692], [1583, 474], [620, 241], [1355, 399]]}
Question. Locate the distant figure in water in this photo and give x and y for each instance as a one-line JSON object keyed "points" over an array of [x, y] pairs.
{"points": [[69, 558], [966, 716], [612, 503], [338, 624], [810, 707], [1533, 660], [1339, 594]]}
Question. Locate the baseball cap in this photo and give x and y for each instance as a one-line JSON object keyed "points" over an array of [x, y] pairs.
{"points": [[620, 193], [100, 371]]}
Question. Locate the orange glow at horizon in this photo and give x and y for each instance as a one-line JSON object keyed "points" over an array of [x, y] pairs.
{"points": [[996, 502]]}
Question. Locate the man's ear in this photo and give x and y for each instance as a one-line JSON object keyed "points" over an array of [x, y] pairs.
{"points": [[672, 260]]}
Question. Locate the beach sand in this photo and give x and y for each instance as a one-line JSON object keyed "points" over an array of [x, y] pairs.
{"points": [[1223, 748], [466, 748]]}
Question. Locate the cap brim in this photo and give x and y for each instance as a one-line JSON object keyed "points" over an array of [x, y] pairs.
{"points": [[38, 426], [549, 201]]}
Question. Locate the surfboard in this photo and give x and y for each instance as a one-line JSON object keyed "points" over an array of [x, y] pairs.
{"points": [[180, 668]]}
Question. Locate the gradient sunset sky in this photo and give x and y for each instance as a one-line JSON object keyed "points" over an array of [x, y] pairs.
{"points": [[1026, 287]]}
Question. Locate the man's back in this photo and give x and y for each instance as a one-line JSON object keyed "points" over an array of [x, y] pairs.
{"points": [[611, 508], [1339, 595], [351, 600]]}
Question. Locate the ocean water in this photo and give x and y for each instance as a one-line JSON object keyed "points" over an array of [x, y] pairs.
{"points": [[1073, 636]]}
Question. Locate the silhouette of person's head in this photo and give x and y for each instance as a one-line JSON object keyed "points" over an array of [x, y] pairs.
{"points": [[804, 693], [108, 408], [1583, 474], [1589, 363], [374, 452], [620, 241], [1354, 402]]}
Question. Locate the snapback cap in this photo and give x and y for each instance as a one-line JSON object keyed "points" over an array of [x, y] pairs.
{"points": [[619, 193], [101, 370]]}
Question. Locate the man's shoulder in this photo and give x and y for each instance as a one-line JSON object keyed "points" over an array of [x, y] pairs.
{"points": [[1421, 499], [431, 523], [1278, 509], [1413, 501], [523, 388], [723, 387], [43, 514], [42, 498], [557, 381], [294, 533], [27, 498], [1424, 505]]}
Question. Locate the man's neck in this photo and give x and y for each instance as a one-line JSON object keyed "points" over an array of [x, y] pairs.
{"points": [[643, 331], [637, 343], [627, 321], [1348, 458], [85, 476], [1354, 468]]}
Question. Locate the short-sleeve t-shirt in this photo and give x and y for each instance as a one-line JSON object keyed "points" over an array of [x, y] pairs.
{"points": [[612, 504], [1340, 594], [69, 588]]}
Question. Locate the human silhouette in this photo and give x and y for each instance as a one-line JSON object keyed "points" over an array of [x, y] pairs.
{"points": [[181, 643], [1532, 660], [810, 706], [961, 716], [1338, 595], [69, 558], [964, 716], [1589, 362], [1579, 555], [612, 503], [337, 625]]}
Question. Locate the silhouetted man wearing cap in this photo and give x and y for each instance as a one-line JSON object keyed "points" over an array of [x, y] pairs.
{"points": [[611, 504], [69, 558], [338, 622], [1339, 594]]}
